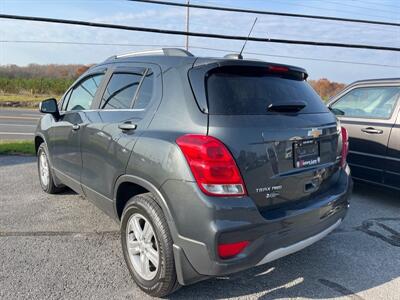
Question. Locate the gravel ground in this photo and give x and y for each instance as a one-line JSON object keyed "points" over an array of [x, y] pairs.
{"points": [[62, 247]]}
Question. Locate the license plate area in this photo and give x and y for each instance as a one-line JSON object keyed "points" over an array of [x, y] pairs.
{"points": [[306, 153]]}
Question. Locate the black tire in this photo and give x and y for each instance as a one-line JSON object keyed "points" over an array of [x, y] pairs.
{"points": [[165, 281], [50, 186]]}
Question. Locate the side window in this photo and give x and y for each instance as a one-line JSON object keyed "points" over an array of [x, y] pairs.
{"points": [[121, 90], [83, 94], [369, 102], [145, 92]]}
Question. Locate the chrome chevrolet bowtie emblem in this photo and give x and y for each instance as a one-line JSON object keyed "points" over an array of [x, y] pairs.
{"points": [[314, 132]]}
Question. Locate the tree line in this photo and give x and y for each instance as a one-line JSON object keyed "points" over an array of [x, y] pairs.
{"points": [[326, 88], [55, 79], [43, 71], [38, 79]]}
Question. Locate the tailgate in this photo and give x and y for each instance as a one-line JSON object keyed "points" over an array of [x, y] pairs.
{"points": [[268, 149]]}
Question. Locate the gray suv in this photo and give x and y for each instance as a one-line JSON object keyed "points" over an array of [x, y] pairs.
{"points": [[210, 165]]}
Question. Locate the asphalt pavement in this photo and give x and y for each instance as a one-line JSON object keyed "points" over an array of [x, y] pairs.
{"points": [[63, 247], [18, 124]]}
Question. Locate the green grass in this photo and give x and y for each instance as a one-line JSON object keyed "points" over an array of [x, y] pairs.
{"points": [[17, 147]]}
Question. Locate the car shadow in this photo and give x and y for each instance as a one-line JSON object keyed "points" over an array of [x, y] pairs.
{"points": [[67, 191]]}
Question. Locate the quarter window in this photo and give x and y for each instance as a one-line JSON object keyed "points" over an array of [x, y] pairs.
{"points": [[83, 94], [121, 90], [368, 102]]}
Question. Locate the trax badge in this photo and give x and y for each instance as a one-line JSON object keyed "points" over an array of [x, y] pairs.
{"points": [[315, 132], [271, 191]]}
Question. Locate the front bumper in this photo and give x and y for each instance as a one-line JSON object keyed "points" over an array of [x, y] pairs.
{"points": [[226, 220]]}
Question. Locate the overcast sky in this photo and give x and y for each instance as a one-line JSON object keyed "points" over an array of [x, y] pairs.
{"points": [[158, 16]]}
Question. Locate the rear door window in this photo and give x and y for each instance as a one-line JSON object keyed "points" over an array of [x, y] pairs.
{"points": [[243, 90], [368, 102], [121, 90]]}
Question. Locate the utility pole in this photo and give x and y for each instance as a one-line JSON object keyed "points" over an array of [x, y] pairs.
{"points": [[187, 25]]}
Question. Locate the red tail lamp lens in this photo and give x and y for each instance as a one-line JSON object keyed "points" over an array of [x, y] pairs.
{"points": [[212, 165], [345, 146]]}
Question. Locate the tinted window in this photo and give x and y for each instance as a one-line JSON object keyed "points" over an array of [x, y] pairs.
{"points": [[145, 92], [250, 90], [368, 102], [83, 94], [121, 90]]}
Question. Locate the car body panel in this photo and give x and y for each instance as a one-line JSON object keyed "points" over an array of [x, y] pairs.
{"points": [[64, 145]]}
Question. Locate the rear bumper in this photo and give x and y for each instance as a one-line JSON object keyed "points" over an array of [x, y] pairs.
{"points": [[281, 252], [226, 220]]}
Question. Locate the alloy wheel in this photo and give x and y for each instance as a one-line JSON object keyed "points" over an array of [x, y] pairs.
{"points": [[142, 246], [44, 169]]}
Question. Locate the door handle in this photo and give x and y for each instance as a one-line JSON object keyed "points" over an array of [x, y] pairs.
{"points": [[76, 127], [372, 130], [127, 126]]}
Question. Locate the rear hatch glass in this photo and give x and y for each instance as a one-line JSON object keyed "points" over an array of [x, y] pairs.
{"points": [[241, 90]]}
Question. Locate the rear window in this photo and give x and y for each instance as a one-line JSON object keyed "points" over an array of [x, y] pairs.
{"points": [[250, 90]]}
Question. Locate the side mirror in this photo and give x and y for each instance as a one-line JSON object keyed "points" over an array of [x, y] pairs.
{"points": [[336, 111], [49, 106]]}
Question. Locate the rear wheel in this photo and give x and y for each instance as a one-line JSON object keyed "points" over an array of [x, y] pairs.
{"points": [[147, 246], [45, 173]]}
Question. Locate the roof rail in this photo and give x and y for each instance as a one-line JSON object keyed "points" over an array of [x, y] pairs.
{"points": [[162, 51]]}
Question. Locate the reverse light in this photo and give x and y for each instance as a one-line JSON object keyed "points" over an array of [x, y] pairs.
{"points": [[212, 165], [230, 250], [345, 146]]}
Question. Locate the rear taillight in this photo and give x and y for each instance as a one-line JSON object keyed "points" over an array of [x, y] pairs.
{"points": [[212, 165], [345, 146], [230, 250]]}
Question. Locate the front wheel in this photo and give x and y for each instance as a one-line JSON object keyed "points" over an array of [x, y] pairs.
{"points": [[45, 173], [147, 246]]}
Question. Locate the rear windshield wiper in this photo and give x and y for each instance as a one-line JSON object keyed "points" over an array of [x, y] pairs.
{"points": [[293, 106]]}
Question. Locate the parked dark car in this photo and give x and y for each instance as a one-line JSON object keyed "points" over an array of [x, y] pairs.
{"points": [[370, 111], [210, 165]]}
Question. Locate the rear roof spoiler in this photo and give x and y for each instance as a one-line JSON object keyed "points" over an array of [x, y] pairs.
{"points": [[222, 62]]}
